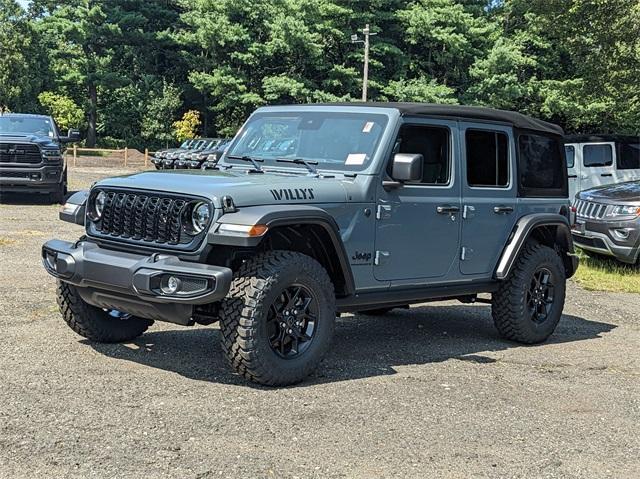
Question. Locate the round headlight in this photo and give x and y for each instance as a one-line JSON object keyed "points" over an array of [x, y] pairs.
{"points": [[200, 217], [95, 212]]}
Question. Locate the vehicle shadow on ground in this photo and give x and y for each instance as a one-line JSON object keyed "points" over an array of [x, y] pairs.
{"points": [[28, 198], [363, 346]]}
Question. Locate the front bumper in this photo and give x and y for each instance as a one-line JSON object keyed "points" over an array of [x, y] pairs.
{"points": [[130, 282], [20, 178], [599, 238]]}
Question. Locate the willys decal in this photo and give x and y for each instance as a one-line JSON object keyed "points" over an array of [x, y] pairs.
{"points": [[293, 194]]}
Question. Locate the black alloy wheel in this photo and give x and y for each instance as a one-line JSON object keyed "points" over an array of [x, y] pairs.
{"points": [[540, 295], [292, 321]]}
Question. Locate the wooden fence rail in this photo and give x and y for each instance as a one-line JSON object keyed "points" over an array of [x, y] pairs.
{"points": [[126, 153]]}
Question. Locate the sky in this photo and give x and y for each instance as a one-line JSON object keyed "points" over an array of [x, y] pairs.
{"points": [[24, 3]]}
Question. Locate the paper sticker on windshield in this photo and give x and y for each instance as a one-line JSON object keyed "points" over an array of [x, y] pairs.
{"points": [[368, 126], [355, 159]]}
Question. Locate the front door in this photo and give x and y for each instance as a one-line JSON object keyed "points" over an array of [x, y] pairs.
{"points": [[418, 224], [488, 195]]}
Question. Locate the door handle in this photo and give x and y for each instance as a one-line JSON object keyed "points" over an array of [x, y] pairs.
{"points": [[447, 209], [502, 210], [572, 176], [606, 174]]}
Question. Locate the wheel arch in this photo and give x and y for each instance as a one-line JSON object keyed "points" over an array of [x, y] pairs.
{"points": [[302, 228], [549, 229]]}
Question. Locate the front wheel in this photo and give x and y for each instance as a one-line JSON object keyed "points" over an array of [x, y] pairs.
{"points": [[528, 305], [94, 323], [278, 318]]}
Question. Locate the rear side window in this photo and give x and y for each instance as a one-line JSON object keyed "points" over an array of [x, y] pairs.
{"points": [[542, 167], [570, 154], [487, 158], [629, 158], [597, 155]]}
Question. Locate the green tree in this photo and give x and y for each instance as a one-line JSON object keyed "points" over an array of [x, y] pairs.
{"points": [[187, 127], [20, 59], [160, 114], [63, 110]]}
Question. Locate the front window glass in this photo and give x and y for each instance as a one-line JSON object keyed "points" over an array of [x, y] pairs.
{"points": [[337, 141], [27, 125], [597, 155]]}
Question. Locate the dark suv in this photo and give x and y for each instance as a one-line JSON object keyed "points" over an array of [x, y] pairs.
{"points": [[608, 221], [321, 209], [31, 155]]}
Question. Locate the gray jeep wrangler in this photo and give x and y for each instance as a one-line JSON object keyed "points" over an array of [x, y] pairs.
{"points": [[320, 209]]}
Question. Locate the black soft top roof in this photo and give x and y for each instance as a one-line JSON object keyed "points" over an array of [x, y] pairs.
{"points": [[601, 137], [518, 120]]}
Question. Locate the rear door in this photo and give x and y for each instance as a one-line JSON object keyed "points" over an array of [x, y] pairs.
{"points": [[597, 165], [488, 195]]}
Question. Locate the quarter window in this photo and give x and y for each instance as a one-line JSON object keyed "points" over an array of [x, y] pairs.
{"points": [[541, 165], [597, 155], [487, 158], [570, 153], [629, 156]]}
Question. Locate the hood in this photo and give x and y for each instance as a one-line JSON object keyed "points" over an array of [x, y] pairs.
{"points": [[627, 192], [245, 189], [42, 141]]}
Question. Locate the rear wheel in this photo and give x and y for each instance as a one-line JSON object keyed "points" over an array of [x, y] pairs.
{"points": [[94, 323], [278, 319], [528, 305]]}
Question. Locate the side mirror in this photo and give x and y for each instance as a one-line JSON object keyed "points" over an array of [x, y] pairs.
{"points": [[72, 136], [407, 167]]}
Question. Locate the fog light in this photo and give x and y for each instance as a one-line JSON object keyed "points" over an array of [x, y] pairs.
{"points": [[621, 233], [171, 285]]}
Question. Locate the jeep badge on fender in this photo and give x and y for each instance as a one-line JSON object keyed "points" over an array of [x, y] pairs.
{"points": [[260, 244]]}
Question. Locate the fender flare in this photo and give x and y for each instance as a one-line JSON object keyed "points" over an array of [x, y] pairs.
{"points": [[283, 215], [522, 231], [75, 215]]}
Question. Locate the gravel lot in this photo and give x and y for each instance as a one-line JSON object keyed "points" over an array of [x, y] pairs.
{"points": [[426, 392]]}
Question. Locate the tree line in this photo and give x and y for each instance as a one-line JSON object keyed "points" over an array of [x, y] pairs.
{"points": [[126, 70]]}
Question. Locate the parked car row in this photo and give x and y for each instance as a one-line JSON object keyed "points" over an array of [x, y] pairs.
{"points": [[192, 154]]}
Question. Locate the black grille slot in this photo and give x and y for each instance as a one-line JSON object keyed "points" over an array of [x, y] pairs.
{"points": [[144, 219], [20, 153]]}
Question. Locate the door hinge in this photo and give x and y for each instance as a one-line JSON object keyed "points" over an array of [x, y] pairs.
{"points": [[466, 253], [381, 256], [383, 212]]}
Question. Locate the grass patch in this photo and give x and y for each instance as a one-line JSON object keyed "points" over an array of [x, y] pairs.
{"points": [[604, 274]]}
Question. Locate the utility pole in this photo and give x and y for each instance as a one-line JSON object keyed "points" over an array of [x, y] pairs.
{"points": [[365, 76]]}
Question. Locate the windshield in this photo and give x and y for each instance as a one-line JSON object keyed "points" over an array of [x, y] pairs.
{"points": [[27, 125], [332, 140], [185, 144]]}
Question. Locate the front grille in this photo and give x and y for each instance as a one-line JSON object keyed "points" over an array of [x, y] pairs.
{"points": [[590, 210], [20, 153], [145, 218]]}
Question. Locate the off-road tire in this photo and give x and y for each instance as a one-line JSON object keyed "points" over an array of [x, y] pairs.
{"points": [[243, 317], [376, 312], [60, 194], [511, 314], [93, 323]]}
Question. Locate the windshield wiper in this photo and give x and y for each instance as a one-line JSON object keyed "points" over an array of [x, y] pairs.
{"points": [[300, 161], [254, 161]]}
